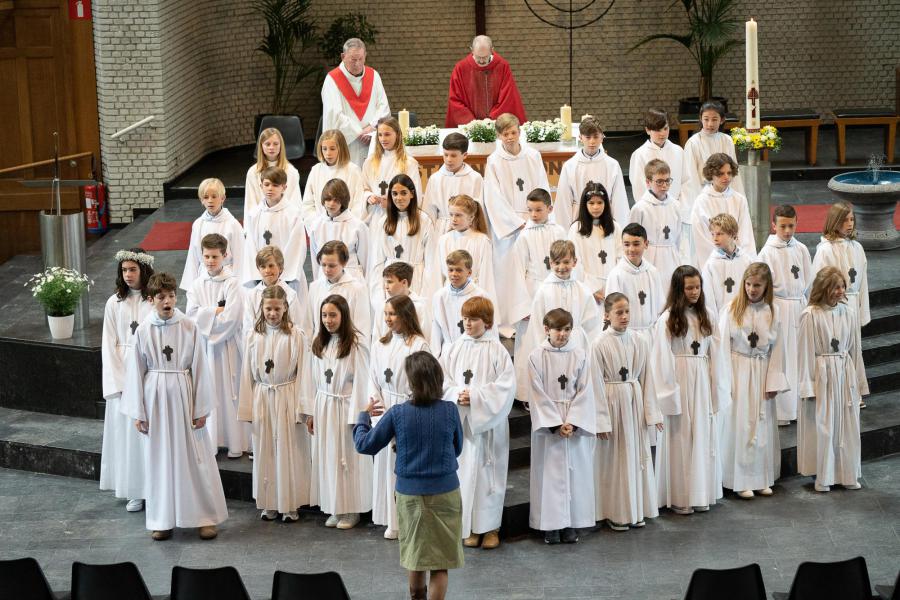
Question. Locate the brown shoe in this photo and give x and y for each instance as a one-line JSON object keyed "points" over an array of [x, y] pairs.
{"points": [[473, 541], [491, 540], [208, 532], [161, 535]]}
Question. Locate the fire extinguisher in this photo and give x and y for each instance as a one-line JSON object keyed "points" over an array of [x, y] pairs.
{"points": [[96, 209]]}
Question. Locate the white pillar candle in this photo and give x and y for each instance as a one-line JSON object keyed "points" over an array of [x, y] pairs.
{"points": [[565, 116], [403, 117], [752, 95]]}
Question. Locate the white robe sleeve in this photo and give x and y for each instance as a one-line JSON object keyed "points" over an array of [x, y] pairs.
{"points": [[566, 198], [204, 400], [252, 190], [491, 402], [601, 403], [292, 191], [864, 314], [719, 366], [652, 414], [582, 410], [192, 262], [113, 365], [618, 197], [776, 380], [502, 219], [543, 410], [359, 400], [664, 384], [636, 176], [854, 349], [309, 200], [806, 356], [132, 402], [245, 391]]}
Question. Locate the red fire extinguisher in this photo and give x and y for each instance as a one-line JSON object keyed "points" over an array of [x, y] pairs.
{"points": [[96, 209]]}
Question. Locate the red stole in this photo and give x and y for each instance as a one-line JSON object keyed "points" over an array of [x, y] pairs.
{"points": [[360, 103]]}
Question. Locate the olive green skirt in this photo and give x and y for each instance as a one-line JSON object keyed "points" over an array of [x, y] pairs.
{"points": [[430, 531]]}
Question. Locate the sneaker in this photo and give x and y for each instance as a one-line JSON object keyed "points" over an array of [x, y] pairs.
{"points": [[250, 456], [208, 532], [348, 521], [332, 521], [616, 526], [491, 540], [640, 523], [473, 541], [391, 534], [853, 486], [551, 537], [233, 455], [269, 515], [134, 506], [678, 510], [569, 536], [746, 494], [161, 535], [703, 508], [766, 491], [862, 404], [290, 517], [782, 423], [822, 488]]}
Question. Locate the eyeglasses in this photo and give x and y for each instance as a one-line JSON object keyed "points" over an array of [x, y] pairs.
{"points": [[663, 181]]}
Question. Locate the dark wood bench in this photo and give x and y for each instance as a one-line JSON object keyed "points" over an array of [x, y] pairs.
{"points": [[795, 118], [687, 124], [853, 117]]}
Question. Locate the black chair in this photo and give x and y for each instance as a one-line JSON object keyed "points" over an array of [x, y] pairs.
{"points": [[224, 583], [844, 580], [291, 128], [312, 586], [413, 118], [886, 592], [23, 579], [742, 583], [119, 581]]}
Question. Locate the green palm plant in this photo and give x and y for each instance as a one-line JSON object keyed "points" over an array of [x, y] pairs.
{"points": [[712, 25]]}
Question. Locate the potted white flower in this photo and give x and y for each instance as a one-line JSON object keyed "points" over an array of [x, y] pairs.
{"points": [[422, 141], [548, 133], [482, 136], [59, 290]]}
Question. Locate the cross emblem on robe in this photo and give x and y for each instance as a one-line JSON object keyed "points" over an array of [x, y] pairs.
{"points": [[695, 346], [388, 374], [398, 251], [547, 262], [563, 380], [520, 184], [467, 376], [222, 302], [270, 364], [602, 254], [796, 271], [852, 274], [642, 296], [666, 231], [267, 236], [328, 375], [835, 345], [134, 326], [623, 373], [383, 186], [461, 328], [168, 352], [729, 284], [753, 338]]}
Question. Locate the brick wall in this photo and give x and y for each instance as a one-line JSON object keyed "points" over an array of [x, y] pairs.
{"points": [[194, 64]]}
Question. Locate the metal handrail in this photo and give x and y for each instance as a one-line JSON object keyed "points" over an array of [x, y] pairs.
{"points": [[42, 163], [132, 127]]}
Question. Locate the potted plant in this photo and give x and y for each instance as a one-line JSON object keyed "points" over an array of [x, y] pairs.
{"points": [[59, 290], [543, 132], [350, 25], [422, 141], [766, 138], [482, 136], [711, 27]]}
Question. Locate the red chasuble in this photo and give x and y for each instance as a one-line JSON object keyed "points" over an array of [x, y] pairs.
{"points": [[359, 103], [482, 92]]}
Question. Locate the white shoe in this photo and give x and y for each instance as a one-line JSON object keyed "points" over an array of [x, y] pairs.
{"points": [[332, 521], [616, 526], [134, 506], [783, 423], [822, 488], [703, 508], [862, 404], [678, 510], [391, 534], [640, 523], [290, 517], [237, 454], [854, 486], [268, 515], [348, 521], [746, 494], [766, 491]]}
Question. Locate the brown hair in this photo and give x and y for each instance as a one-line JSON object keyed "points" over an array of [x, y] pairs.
{"points": [[835, 218], [343, 150], [505, 121], [460, 257], [726, 223], [400, 270], [590, 125], [214, 241], [161, 282], [677, 304], [456, 141], [267, 252], [656, 119], [558, 318], [609, 301], [473, 209], [348, 336], [656, 167], [276, 175], [273, 292], [826, 280], [412, 211], [426, 378], [336, 189], [479, 307], [741, 301], [785, 211], [261, 161], [145, 270], [714, 164], [540, 195], [561, 249], [334, 247], [399, 148], [405, 309]]}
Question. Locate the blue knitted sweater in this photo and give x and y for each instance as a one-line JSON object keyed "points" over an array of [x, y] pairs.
{"points": [[429, 438]]}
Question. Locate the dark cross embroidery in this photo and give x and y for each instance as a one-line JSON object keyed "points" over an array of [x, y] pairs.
{"points": [[383, 186], [835, 345], [666, 231], [520, 184], [267, 235], [852, 274], [168, 352], [467, 374], [222, 302], [547, 262], [270, 364], [602, 255], [753, 338], [328, 375], [398, 250], [796, 271], [388, 374], [563, 380], [461, 328], [729, 283], [623, 373], [134, 326], [642, 296], [695, 346]]}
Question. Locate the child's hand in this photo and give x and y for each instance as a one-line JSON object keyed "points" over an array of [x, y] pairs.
{"points": [[375, 408], [566, 430], [659, 426], [142, 426], [309, 426], [599, 296], [770, 395], [603, 436], [383, 201], [200, 423], [220, 310], [464, 399]]}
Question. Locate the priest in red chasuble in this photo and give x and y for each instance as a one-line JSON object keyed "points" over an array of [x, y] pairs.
{"points": [[482, 86]]}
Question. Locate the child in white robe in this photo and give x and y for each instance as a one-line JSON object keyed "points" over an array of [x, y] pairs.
{"points": [[659, 147], [404, 233], [752, 332], [447, 323], [591, 164], [559, 290], [214, 303], [122, 454], [838, 248], [706, 142], [690, 380], [396, 279], [638, 279], [479, 377], [725, 267], [597, 238], [269, 266], [388, 160], [339, 223], [454, 177], [169, 394], [334, 163], [388, 386], [626, 413], [468, 231], [215, 219], [717, 198], [275, 386], [832, 382], [660, 213], [342, 479], [788, 259], [563, 424], [270, 152], [332, 259]]}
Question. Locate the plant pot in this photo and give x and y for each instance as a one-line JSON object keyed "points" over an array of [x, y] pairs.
{"points": [[692, 104], [61, 327], [484, 148], [753, 157]]}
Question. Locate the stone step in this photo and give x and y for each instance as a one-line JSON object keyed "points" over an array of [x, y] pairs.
{"points": [[885, 319], [880, 349], [884, 377], [884, 297]]}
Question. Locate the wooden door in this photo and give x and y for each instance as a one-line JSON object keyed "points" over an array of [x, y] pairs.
{"points": [[47, 84]]}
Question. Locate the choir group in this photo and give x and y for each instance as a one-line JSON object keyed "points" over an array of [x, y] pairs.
{"points": [[652, 324]]}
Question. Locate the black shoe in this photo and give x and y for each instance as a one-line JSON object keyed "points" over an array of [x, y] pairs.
{"points": [[568, 536], [551, 537]]}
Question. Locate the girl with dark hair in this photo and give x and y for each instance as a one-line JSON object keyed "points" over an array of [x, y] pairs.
{"points": [[597, 239]]}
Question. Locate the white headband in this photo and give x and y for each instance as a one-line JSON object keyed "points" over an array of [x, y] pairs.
{"points": [[138, 257]]}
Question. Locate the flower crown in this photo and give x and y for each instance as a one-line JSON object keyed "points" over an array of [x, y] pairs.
{"points": [[138, 257]]}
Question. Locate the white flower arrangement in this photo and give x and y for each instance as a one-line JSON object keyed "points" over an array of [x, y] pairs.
{"points": [[543, 131], [422, 136], [59, 289], [480, 130]]}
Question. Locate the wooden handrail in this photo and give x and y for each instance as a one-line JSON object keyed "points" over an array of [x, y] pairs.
{"points": [[42, 163]]}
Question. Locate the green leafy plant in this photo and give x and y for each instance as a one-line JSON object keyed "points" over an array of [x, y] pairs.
{"points": [[712, 25], [59, 290], [350, 25], [422, 136], [480, 130]]}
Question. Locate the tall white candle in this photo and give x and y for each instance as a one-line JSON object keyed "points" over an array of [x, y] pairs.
{"points": [[752, 94], [403, 117], [565, 116]]}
